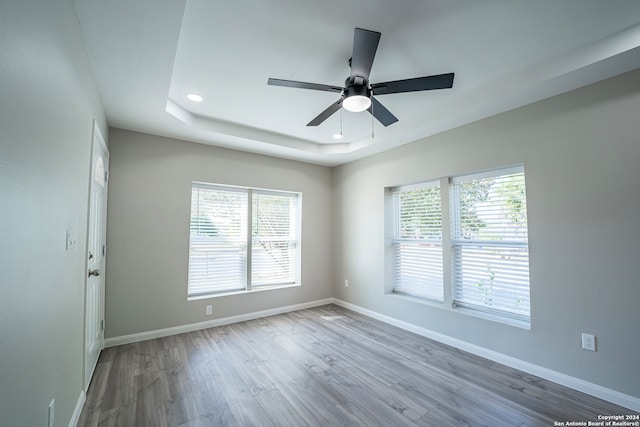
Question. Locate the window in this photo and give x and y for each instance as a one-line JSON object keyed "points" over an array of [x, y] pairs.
{"points": [[417, 241], [274, 238], [484, 243], [242, 239], [490, 244]]}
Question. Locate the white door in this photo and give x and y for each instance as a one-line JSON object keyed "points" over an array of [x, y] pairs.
{"points": [[96, 251]]}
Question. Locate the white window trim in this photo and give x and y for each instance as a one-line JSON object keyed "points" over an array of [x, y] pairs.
{"points": [[446, 187], [249, 287], [398, 240], [458, 244]]}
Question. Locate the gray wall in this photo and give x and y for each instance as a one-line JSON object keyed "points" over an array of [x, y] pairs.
{"points": [[581, 153], [148, 229], [48, 100]]}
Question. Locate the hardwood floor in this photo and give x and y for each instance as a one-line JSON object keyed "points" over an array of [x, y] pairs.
{"points": [[325, 366]]}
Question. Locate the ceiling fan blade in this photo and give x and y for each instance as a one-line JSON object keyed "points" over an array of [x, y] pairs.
{"points": [[304, 85], [326, 113], [365, 45], [440, 81], [381, 113]]}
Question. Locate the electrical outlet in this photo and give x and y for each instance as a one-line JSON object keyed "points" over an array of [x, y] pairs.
{"points": [[589, 342], [346, 283], [209, 310], [52, 410]]}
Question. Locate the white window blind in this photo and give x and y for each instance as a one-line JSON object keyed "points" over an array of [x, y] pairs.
{"points": [[417, 241], [225, 222], [217, 250], [490, 243], [274, 239]]}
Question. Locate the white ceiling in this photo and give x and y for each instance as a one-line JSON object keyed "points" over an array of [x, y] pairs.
{"points": [[148, 54]]}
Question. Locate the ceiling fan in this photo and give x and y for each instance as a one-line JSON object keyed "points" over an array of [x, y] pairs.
{"points": [[357, 93]]}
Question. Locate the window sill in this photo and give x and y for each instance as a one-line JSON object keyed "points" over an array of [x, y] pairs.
{"points": [[419, 300], [463, 310], [243, 291], [494, 318]]}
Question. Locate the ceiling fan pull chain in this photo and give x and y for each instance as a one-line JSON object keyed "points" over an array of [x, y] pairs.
{"points": [[373, 136]]}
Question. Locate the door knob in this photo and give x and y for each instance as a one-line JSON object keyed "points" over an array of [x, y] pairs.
{"points": [[95, 272]]}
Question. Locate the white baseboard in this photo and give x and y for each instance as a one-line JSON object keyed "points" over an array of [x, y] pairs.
{"points": [[78, 409], [158, 333], [592, 389], [595, 390]]}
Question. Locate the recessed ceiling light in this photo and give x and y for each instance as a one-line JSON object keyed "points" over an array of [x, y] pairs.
{"points": [[338, 136], [195, 97]]}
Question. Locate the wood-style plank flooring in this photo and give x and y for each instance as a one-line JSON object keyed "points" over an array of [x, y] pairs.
{"points": [[325, 366]]}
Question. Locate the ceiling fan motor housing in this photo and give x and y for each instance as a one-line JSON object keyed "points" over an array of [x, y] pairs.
{"points": [[356, 86]]}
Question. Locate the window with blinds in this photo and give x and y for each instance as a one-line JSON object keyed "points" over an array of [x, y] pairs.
{"points": [[473, 227], [242, 238], [274, 239], [417, 241], [490, 243]]}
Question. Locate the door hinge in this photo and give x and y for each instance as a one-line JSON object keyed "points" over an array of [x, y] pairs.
{"points": [[106, 176], [104, 250], [102, 325]]}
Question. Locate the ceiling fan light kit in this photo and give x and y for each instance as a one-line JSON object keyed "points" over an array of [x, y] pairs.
{"points": [[357, 93], [356, 96], [356, 103]]}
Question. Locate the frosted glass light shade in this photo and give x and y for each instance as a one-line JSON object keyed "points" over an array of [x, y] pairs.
{"points": [[356, 103]]}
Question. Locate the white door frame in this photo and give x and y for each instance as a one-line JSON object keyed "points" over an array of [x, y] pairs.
{"points": [[94, 316]]}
